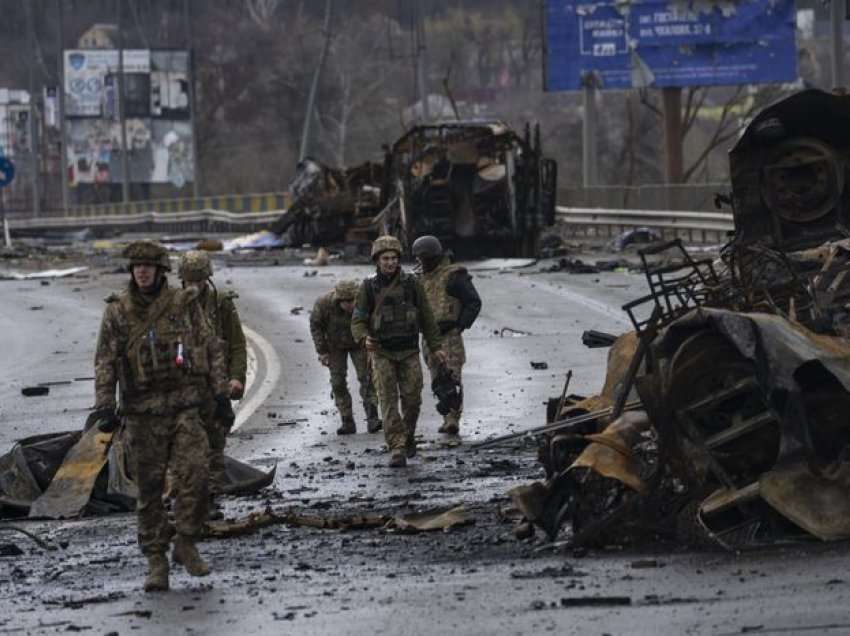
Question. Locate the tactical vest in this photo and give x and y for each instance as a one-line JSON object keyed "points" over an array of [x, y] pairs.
{"points": [[396, 323], [171, 353], [444, 306], [339, 327]]}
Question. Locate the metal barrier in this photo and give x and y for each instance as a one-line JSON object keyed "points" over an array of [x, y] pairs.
{"points": [[694, 227]]}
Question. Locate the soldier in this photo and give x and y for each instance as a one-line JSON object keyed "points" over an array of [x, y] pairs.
{"points": [[456, 305], [196, 270], [390, 312], [330, 324], [157, 346]]}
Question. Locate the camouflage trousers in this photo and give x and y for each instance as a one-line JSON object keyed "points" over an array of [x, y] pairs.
{"points": [[338, 365], [217, 438], [455, 359], [156, 440], [394, 380]]}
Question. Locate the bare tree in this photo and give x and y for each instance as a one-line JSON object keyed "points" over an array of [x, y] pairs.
{"points": [[261, 12]]}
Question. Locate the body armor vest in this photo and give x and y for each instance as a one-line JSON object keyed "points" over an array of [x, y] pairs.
{"points": [[396, 322], [339, 328], [170, 353], [444, 306]]}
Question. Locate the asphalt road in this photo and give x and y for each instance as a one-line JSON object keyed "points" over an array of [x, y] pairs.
{"points": [[475, 579]]}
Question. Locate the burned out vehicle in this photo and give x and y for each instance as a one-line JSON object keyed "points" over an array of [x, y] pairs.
{"points": [[329, 205], [476, 185], [723, 416]]}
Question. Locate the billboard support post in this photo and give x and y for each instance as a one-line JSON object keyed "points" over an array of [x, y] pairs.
{"points": [[122, 121], [589, 162], [60, 97], [672, 107], [33, 112]]}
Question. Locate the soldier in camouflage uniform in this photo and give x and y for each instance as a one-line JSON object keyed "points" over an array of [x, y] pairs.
{"points": [[390, 312], [158, 348], [196, 271], [456, 305], [330, 325]]}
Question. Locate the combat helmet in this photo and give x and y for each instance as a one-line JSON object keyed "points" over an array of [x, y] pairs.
{"points": [[146, 252], [427, 246], [346, 290], [195, 266], [384, 244]]}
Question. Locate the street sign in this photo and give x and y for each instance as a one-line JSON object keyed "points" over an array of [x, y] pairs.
{"points": [[7, 172], [659, 43]]}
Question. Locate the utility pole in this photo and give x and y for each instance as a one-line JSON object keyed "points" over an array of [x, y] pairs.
{"points": [[314, 86], [837, 15], [421, 61], [190, 45], [671, 97], [589, 155], [125, 159], [60, 97], [33, 114]]}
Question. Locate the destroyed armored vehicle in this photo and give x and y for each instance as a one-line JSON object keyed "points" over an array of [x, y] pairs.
{"points": [[723, 416], [329, 205], [476, 185]]}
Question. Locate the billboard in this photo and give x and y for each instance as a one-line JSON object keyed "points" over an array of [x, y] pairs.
{"points": [[657, 43], [156, 110], [160, 151]]}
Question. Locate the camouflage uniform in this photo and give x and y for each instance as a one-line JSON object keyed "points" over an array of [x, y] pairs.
{"points": [[330, 326], [162, 354], [396, 370], [456, 305], [219, 307]]}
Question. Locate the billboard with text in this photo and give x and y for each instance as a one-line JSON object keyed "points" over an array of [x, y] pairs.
{"points": [[656, 43]]}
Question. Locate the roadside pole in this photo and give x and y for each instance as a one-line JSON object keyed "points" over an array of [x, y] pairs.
{"points": [[590, 171], [837, 15]]}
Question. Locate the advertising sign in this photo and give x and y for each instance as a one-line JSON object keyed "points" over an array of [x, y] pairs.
{"points": [[657, 43], [86, 77]]}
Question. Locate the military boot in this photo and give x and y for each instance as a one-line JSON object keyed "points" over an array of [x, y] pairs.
{"points": [[214, 511], [410, 445], [373, 422], [450, 425], [186, 554], [398, 459], [347, 427], [157, 578]]}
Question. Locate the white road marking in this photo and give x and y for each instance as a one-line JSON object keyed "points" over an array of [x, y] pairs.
{"points": [[257, 346]]}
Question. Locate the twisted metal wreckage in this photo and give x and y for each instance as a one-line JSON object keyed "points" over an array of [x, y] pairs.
{"points": [[723, 418]]}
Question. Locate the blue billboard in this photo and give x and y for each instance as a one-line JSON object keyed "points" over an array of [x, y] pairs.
{"points": [[656, 43]]}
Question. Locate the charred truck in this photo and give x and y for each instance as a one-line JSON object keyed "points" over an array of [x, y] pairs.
{"points": [[476, 185]]}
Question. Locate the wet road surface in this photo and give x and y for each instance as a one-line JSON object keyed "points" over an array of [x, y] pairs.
{"points": [[475, 579]]}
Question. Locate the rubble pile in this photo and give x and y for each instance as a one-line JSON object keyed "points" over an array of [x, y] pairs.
{"points": [[723, 416]]}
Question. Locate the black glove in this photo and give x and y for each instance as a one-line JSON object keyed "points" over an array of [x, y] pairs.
{"points": [[446, 326], [224, 410], [106, 419]]}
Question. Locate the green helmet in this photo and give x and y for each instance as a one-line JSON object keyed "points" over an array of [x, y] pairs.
{"points": [[195, 266], [346, 290], [146, 252], [384, 244]]}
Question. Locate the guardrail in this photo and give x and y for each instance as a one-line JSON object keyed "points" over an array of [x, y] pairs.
{"points": [[694, 227]]}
